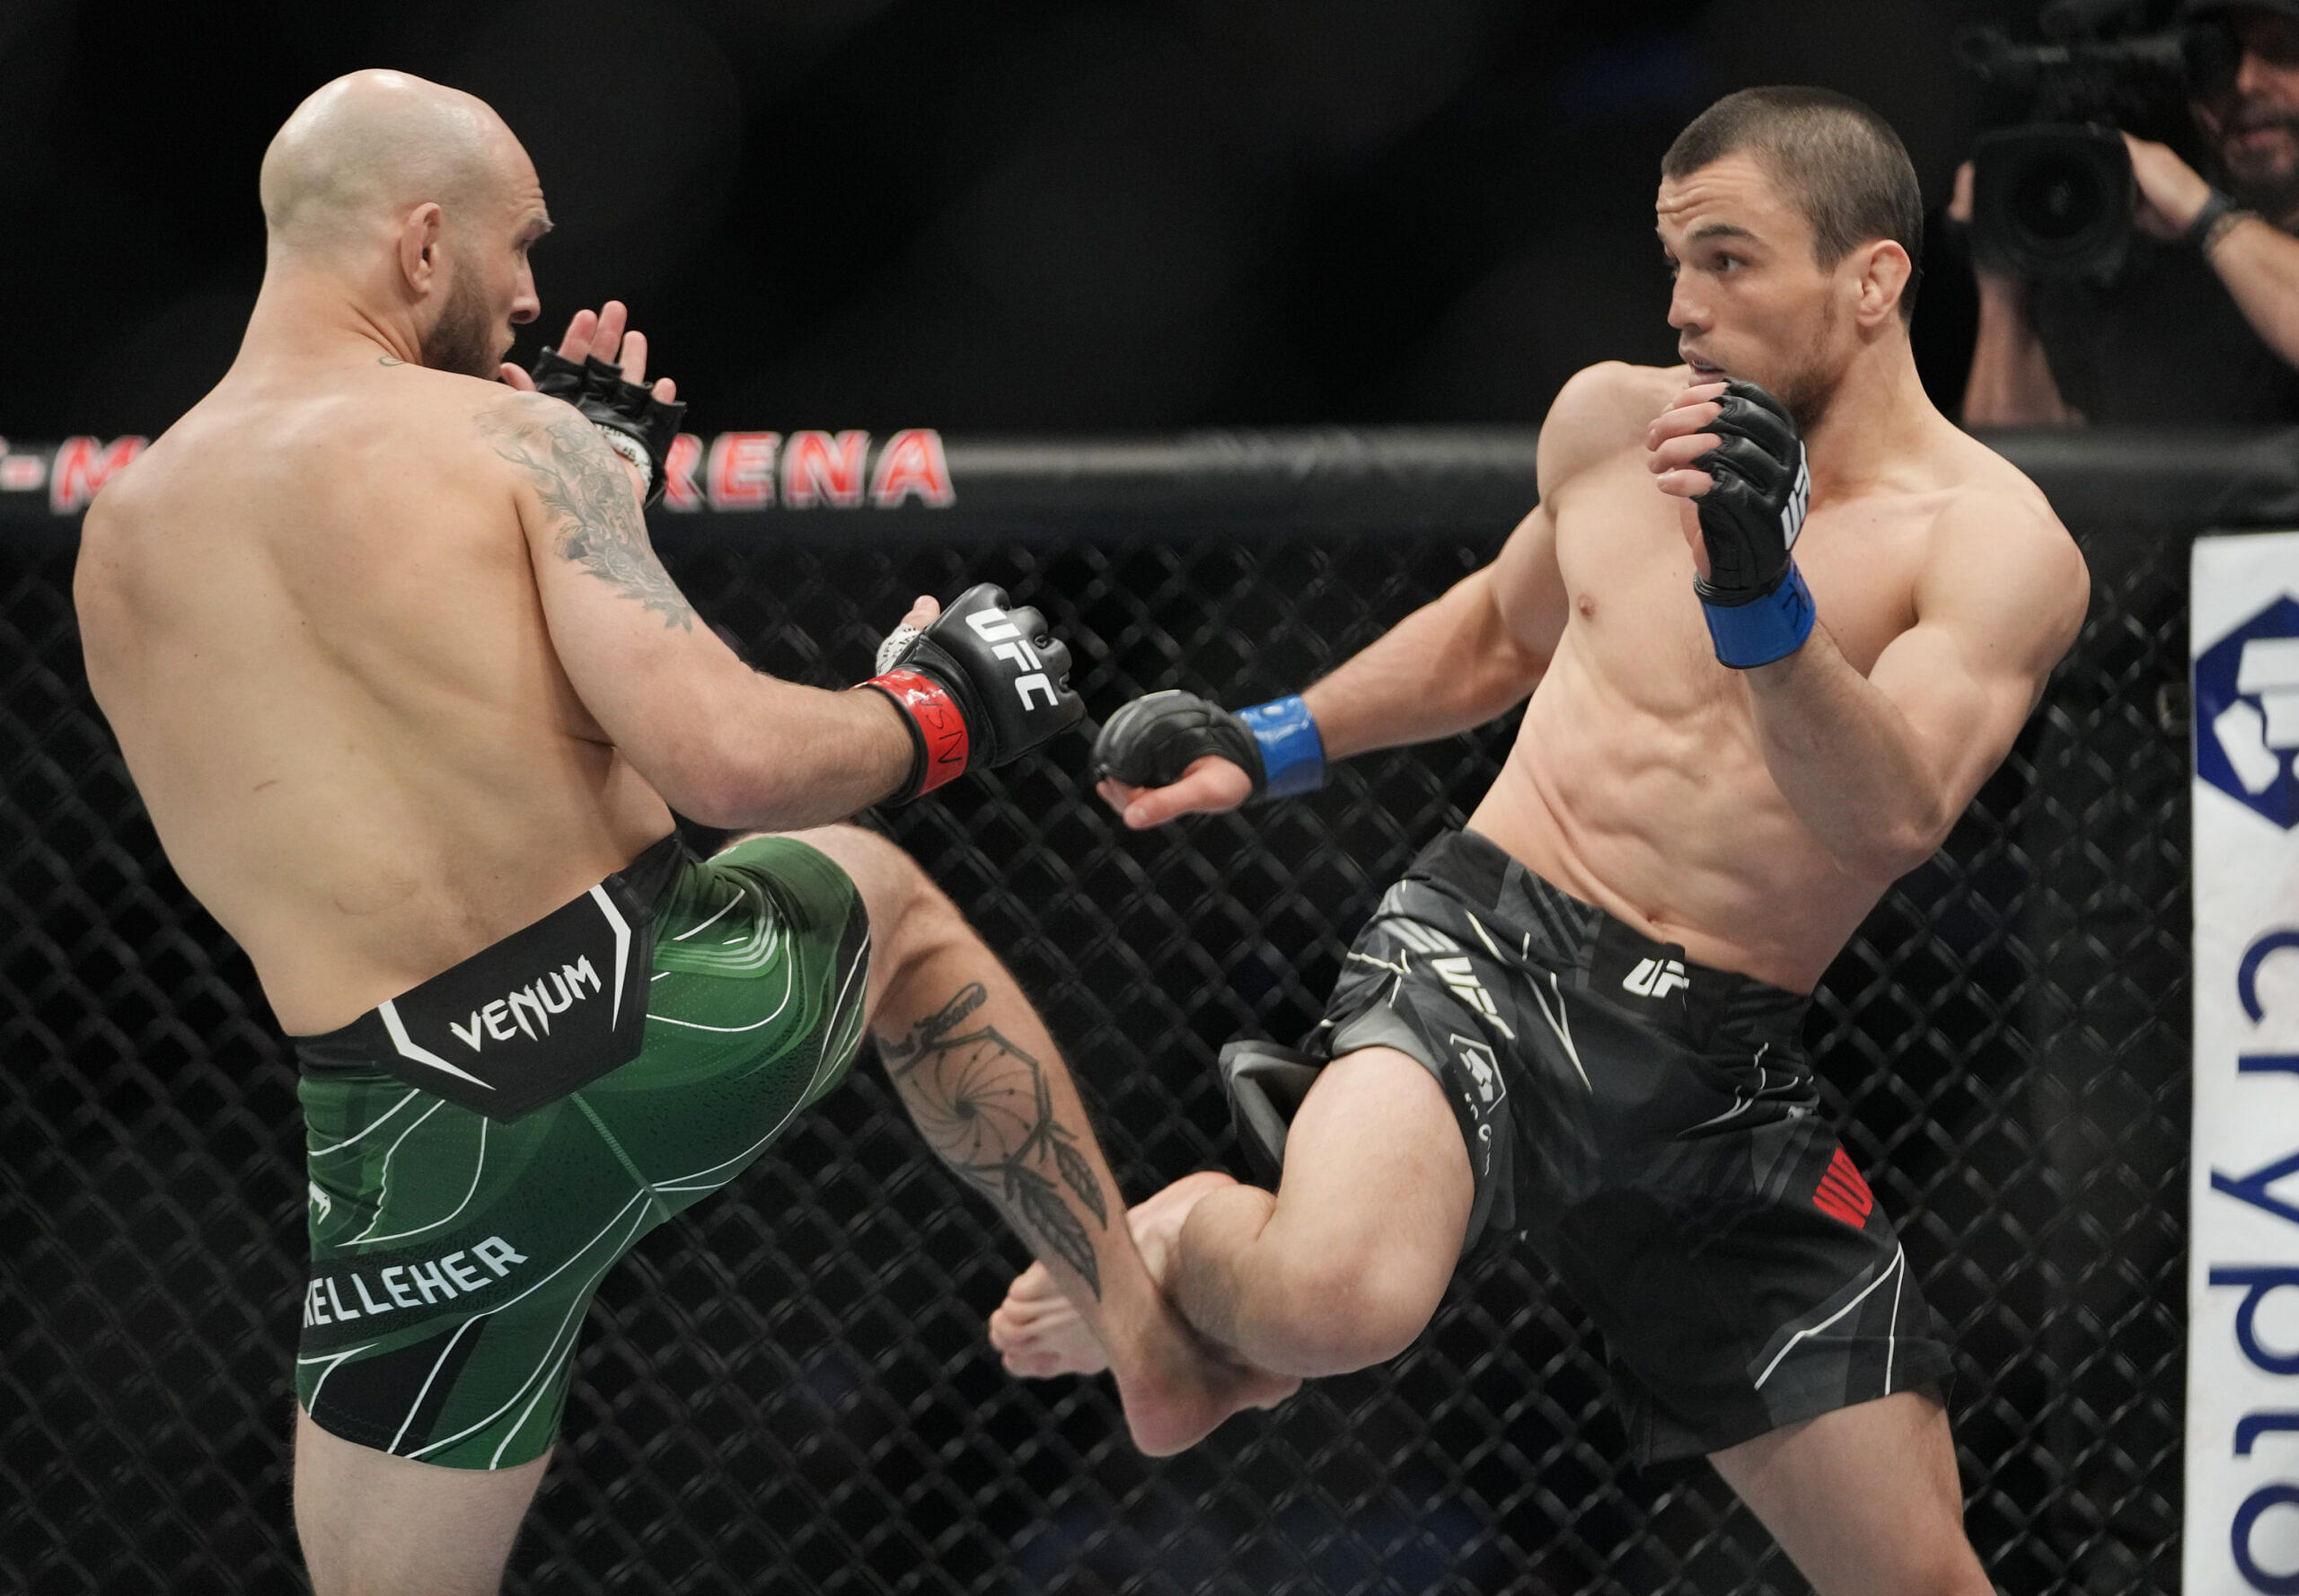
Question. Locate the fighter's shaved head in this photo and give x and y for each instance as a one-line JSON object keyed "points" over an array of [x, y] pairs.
{"points": [[412, 202], [372, 146]]}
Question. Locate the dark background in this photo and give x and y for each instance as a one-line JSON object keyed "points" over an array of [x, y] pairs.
{"points": [[1006, 216]]}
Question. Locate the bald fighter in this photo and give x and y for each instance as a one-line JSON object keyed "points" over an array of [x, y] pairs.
{"points": [[412, 700], [1778, 619]]}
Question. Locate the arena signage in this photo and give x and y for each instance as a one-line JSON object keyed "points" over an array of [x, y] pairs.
{"points": [[2243, 1430], [731, 472]]}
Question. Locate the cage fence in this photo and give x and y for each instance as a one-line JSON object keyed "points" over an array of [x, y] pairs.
{"points": [[790, 1391]]}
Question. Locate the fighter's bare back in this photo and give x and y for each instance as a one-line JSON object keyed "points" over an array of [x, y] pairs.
{"points": [[311, 618], [1637, 780]]}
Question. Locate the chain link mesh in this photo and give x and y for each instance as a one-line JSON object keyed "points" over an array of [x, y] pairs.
{"points": [[790, 1391]]}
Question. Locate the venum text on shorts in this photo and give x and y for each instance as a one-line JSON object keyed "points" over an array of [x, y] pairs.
{"points": [[521, 1023], [506, 1018]]}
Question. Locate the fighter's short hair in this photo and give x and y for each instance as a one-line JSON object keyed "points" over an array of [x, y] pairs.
{"points": [[1841, 162]]}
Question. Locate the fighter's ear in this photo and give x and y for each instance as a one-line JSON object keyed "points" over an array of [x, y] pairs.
{"points": [[419, 247], [1883, 275]]}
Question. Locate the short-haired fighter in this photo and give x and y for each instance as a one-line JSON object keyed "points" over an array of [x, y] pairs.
{"points": [[410, 701], [1579, 1019]]}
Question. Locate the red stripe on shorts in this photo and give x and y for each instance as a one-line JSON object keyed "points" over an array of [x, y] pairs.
{"points": [[1843, 1195]]}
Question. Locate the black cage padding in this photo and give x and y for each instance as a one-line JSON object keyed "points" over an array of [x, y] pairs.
{"points": [[789, 1390]]}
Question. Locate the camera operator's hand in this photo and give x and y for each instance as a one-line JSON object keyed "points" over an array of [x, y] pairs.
{"points": [[1991, 279], [1959, 196], [2010, 383], [2170, 193]]}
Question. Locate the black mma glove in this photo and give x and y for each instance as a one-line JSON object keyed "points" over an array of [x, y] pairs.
{"points": [[1151, 741], [982, 685], [636, 426], [1757, 608]]}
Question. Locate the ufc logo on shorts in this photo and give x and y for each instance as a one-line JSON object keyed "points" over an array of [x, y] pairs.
{"points": [[1456, 974], [995, 626], [1655, 978]]}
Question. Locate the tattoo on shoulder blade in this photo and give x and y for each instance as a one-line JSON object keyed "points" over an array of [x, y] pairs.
{"points": [[595, 516], [985, 1106]]}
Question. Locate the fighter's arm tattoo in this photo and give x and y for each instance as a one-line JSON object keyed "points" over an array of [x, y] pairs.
{"points": [[985, 1106], [594, 518]]}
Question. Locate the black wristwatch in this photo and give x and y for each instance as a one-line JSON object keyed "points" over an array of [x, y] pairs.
{"points": [[2212, 219]]}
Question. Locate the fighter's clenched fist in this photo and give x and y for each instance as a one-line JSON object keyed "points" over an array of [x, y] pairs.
{"points": [[1733, 449], [1169, 753], [980, 685]]}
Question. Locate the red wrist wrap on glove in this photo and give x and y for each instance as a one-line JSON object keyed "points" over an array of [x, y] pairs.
{"points": [[938, 731]]}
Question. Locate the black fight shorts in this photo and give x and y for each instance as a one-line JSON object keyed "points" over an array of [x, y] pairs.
{"points": [[1650, 1125]]}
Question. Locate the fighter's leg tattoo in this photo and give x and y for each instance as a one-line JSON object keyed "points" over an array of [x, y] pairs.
{"points": [[985, 1106]]}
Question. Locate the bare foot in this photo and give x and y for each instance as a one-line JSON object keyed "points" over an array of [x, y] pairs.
{"points": [[1179, 1385], [1176, 1400], [1038, 1334]]}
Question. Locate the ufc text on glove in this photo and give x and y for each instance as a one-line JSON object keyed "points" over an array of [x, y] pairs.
{"points": [[983, 685]]}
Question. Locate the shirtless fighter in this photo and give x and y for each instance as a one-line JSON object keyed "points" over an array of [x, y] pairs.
{"points": [[1579, 1017], [412, 700]]}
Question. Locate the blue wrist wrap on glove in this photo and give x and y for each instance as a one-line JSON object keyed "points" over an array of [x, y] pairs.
{"points": [[1292, 754], [1764, 630]]}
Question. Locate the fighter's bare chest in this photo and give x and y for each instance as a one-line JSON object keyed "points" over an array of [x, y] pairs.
{"points": [[1628, 572]]}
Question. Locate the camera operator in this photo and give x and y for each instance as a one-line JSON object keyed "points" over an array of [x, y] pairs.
{"points": [[2201, 325]]}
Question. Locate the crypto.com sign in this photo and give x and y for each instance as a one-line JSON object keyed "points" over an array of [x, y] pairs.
{"points": [[2243, 1431]]}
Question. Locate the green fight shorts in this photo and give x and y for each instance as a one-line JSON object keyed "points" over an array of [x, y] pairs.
{"points": [[454, 1251]]}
